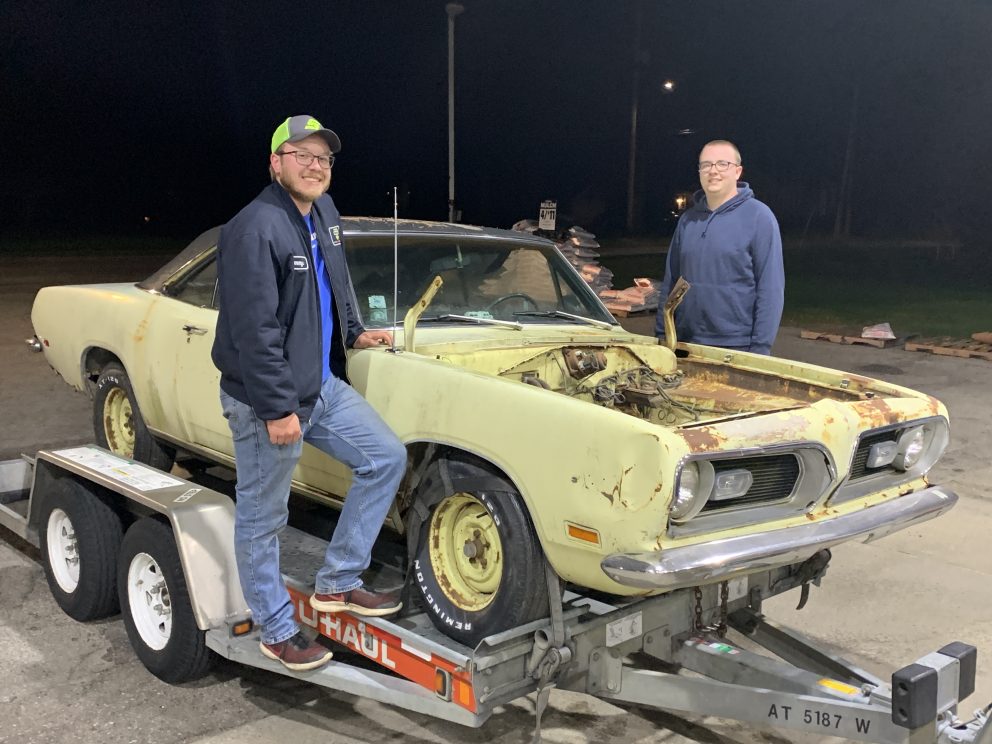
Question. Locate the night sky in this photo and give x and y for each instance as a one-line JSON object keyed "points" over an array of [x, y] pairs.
{"points": [[117, 111]]}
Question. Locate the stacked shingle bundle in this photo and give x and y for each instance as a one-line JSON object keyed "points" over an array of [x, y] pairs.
{"points": [[579, 247]]}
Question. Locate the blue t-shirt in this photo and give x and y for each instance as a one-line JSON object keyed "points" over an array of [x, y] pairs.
{"points": [[324, 296]]}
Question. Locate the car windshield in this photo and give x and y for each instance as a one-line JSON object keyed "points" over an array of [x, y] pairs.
{"points": [[485, 278]]}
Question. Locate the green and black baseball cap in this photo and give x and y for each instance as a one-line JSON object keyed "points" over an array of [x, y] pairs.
{"points": [[300, 127]]}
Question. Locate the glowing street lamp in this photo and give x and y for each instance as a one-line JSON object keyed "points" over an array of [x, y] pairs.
{"points": [[667, 86]]}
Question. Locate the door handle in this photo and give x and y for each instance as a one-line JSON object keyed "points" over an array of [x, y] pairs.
{"points": [[194, 330]]}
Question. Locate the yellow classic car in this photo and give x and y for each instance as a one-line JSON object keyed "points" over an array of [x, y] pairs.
{"points": [[538, 429]]}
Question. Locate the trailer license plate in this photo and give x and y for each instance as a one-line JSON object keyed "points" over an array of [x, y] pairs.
{"points": [[815, 718], [623, 629]]}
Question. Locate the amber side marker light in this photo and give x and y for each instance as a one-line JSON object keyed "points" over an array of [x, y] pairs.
{"points": [[582, 533], [442, 684], [242, 628]]}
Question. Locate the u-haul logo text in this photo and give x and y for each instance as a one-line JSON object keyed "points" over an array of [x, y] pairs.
{"points": [[356, 636]]}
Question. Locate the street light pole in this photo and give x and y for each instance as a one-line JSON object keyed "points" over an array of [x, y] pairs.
{"points": [[453, 10], [635, 96]]}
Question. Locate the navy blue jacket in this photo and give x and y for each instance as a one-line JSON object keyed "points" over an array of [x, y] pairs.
{"points": [[732, 257], [268, 346]]}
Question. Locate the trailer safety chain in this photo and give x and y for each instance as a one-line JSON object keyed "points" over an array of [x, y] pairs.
{"points": [[719, 627], [550, 654]]}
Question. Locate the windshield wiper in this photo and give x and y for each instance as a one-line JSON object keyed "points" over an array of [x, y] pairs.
{"points": [[567, 316], [469, 319]]}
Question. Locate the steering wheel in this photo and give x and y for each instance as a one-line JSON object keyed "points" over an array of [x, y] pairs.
{"points": [[513, 296]]}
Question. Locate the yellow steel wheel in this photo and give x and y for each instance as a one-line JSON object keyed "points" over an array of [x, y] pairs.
{"points": [[466, 553], [118, 422]]}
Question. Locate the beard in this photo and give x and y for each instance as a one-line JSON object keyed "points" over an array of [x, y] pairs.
{"points": [[304, 196]]}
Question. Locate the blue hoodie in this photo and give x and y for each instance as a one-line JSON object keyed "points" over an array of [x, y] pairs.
{"points": [[732, 257]]}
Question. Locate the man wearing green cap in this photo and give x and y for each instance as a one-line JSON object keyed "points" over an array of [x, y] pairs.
{"points": [[285, 321]]}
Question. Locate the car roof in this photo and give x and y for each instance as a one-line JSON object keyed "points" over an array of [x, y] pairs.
{"points": [[355, 227]]}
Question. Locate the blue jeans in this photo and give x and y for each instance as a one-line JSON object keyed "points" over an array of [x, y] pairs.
{"points": [[344, 426]]}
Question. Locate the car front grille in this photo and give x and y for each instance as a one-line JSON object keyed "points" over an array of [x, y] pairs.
{"points": [[859, 467], [774, 479]]}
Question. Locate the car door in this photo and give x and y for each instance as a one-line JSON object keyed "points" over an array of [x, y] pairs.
{"points": [[193, 318]]}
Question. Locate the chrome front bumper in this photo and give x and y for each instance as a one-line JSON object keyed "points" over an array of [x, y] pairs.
{"points": [[707, 562]]}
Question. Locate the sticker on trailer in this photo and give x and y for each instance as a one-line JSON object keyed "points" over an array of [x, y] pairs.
{"points": [[184, 497], [736, 588], [827, 720], [624, 629], [132, 474]]}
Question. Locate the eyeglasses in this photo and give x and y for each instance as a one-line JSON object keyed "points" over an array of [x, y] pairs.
{"points": [[720, 165], [306, 159]]}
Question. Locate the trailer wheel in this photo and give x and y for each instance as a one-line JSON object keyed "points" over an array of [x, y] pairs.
{"points": [[79, 540], [155, 604], [119, 425], [479, 566]]}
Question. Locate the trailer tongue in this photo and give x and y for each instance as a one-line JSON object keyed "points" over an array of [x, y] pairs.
{"points": [[167, 543]]}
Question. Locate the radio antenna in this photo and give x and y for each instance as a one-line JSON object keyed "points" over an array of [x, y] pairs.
{"points": [[396, 266]]}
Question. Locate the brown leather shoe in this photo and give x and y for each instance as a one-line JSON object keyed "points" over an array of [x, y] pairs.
{"points": [[297, 653], [360, 601]]}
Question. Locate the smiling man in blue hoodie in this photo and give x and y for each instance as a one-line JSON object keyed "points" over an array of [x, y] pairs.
{"points": [[728, 247]]}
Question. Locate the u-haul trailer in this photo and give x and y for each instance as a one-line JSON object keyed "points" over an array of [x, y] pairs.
{"points": [[117, 533]]}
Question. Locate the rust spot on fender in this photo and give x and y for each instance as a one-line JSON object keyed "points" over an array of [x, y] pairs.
{"points": [[142, 329], [877, 412], [703, 439]]}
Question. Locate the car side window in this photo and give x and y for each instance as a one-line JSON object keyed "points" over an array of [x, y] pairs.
{"points": [[199, 286]]}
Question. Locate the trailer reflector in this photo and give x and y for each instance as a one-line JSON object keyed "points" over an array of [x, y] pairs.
{"points": [[464, 694]]}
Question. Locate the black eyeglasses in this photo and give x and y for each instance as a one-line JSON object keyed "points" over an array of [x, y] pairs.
{"points": [[306, 159], [720, 165]]}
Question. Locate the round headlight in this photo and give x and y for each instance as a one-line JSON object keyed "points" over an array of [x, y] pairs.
{"points": [[911, 446], [695, 484]]}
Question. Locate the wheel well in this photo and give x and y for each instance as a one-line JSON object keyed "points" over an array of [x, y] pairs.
{"points": [[94, 360], [420, 455], [453, 462]]}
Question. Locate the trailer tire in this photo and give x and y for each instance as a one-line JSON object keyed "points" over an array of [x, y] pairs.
{"points": [[155, 604], [119, 425], [80, 537], [478, 566]]}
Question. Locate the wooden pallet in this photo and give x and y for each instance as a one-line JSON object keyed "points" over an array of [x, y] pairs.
{"points": [[957, 347], [838, 337]]}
